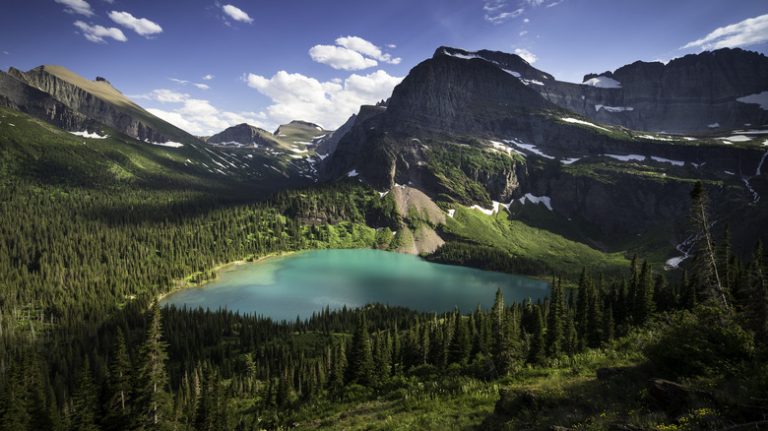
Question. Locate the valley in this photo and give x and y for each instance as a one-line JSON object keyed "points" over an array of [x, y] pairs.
{"points": [[488, 248]]}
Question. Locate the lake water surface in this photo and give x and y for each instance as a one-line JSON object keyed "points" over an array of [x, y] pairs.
{"points": [[299, 284]]}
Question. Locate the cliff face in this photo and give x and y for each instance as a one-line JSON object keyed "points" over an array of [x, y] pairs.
{"points": [[693, 94], [17, 95], [99, 101]]}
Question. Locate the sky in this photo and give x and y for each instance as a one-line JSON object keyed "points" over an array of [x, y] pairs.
{"points": [[205, 65]]}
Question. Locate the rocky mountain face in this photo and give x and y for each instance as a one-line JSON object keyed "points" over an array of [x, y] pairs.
{"points": [[96, 100], [17, 95], [477, 127], [244, 135], [698, 93]]}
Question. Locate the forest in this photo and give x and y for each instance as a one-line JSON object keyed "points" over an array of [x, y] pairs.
{"points": [[85, 347]]}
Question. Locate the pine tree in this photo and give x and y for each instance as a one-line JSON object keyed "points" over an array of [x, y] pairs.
{"points": [[644, 304], [458, 352], [705, 257], [536, 353], [154, 401], [361, 366], [120, 386], [84, 402], [501, 347], [555, 320]]}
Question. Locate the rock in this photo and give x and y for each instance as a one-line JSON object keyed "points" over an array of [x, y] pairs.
{"points": [[674, 398], [610, 372], [512, 402]]}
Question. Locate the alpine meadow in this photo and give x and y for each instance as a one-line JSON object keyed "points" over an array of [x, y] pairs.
{"points": [[430, 215]]}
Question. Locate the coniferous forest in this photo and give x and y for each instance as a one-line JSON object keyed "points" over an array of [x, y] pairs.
{"points": [[85, 347]]}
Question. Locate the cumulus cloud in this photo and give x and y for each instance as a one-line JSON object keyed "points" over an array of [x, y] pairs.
{"points": [[366, 48], [340, 58], [351, 53], [526, 55], [236, 13], [196, 116], [142, 26], [296, 96], [500, 11], [80, 7], [208, 77], [98, 34], [751, 31]]}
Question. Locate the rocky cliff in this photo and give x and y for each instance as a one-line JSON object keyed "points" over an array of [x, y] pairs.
{"points": [[99, 101]]}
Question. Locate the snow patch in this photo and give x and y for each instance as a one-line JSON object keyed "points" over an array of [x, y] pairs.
{"points": [[736, 138], [528, 147], [670, 161], [583, 123], [757, 98], [728, 173], [485, 211], [656, 138], [169, 144], [513, 73], [505, 148], [627, 157], [86, 134], [352, 173], [613, 108], [602, 82], [451, 213], [713, 125], [570, 161], [546, 200]]}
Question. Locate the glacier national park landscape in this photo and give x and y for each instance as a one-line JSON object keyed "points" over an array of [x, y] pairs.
{"points": [[468, 215]]}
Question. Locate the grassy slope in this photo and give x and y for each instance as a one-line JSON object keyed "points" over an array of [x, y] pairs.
{"points": [[518, 238]]}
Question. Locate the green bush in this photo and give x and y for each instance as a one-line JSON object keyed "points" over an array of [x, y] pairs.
{"points": [[703, 342]]}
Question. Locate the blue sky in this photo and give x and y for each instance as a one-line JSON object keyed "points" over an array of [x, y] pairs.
{"points": [[269, 61]]}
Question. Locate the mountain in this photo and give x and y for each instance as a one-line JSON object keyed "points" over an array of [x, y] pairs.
{"points": [[244, 135], [485, 128], [96, 100], [715, 90]]}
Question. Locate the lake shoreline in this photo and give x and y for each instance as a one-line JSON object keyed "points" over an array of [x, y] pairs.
{"points": [[186, 283]]}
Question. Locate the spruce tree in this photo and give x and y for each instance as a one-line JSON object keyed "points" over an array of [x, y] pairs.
{"points": [[154, 401], [555, 319], [705, 256], [361, 365], [536, 353], [120, 386], [84, 402], [458, 352]]}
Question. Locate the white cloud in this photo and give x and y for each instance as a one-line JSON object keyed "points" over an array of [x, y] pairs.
{"points": [[500, 11], [208, 77], [142, 26], [391, 46], [340, 58], [351, 53], [526, 20], [296, 96], [202, 86], [80, 7], [196, 116], [751, 31], [179, 81], [526, 55], [523, 33], [236, 14], [97, 33], [366, 48]]}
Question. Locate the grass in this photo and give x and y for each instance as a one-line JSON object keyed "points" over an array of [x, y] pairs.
{"points": [[520, 239]]}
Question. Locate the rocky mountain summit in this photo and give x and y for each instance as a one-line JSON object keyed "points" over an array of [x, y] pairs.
{"points": [[95, 100]]}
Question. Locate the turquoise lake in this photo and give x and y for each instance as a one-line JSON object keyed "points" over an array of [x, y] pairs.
{"points": [[299, 284]]}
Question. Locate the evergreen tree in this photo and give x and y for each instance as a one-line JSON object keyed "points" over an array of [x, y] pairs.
{"points": [[84, 402], [154, 401], [536, 353], [461, 345], [120, 386], [361, 365], [555, 319], [705, 257], [644, 304]]}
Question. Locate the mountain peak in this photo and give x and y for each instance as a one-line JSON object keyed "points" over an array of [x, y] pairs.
{"points": [[510, 63]]}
